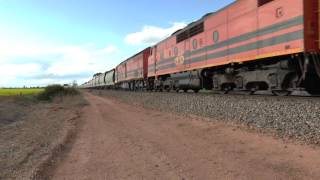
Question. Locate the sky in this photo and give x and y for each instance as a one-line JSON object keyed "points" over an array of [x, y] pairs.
{"points": [[57, 41]]}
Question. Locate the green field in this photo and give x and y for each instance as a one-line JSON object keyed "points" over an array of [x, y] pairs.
{"points": [[12, 92]]}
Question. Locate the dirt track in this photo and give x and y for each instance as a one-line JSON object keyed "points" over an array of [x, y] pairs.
{"points": [[118, 141]]}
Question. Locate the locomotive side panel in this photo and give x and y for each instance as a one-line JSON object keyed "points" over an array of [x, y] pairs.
{"points": [[280, 28], [268, 31], [221, 35], [239, 8], [164, 57], [238, 27], [195, 55], [216, 30], [211, 47], [178, 51]]}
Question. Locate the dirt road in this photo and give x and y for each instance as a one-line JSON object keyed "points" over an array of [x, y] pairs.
{"points": [[118, 141]]}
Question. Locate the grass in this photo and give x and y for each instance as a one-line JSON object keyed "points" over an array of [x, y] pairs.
{"points": [[52, 91], [21, 91]]}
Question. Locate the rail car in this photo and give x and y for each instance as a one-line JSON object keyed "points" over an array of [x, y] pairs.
{"points": [[102, 80], [248, 46], [109, 79]]}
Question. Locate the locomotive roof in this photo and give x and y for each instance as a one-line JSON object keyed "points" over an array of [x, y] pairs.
{"points": [[134, 55], [97, 74], [192, 24], [189, 26], [109, 71]]}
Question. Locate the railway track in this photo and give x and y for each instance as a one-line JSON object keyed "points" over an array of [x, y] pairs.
{"points": [[235, 93], [262, 93]]}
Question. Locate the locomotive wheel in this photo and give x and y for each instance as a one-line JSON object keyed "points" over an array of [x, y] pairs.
{"points": [[251, 92], [281, 92], [225, 90]]}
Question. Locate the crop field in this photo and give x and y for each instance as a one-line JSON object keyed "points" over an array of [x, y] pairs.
{"points": [[19, 91]]}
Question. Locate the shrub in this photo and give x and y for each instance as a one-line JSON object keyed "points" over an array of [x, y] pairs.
{"points": [[56, 90]]}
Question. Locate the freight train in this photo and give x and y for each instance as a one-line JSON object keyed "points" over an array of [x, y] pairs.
{"points": [[248, 46]]}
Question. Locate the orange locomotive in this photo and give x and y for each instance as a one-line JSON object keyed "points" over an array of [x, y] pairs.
{"points": [[132, 73], [250, 45]]}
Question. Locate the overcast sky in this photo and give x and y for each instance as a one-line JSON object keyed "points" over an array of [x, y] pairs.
{"points": [[56, 41]]}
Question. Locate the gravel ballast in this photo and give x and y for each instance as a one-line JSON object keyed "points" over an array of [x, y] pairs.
{"points": [[295, 117]]}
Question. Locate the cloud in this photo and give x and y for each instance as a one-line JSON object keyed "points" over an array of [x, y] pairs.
{"points": [[39, 65], [152, 34], [19, 69], [12, 72]]}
